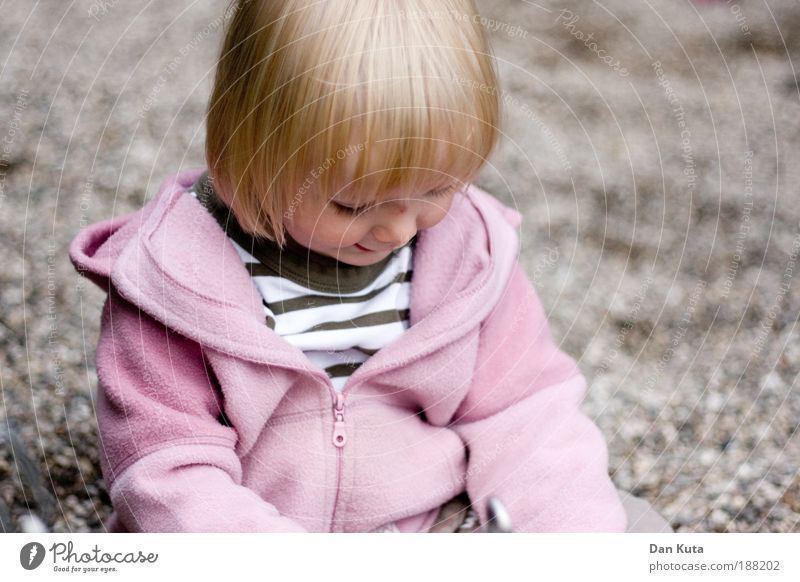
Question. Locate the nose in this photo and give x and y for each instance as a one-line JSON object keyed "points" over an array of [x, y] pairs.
{"points": [[396, 229]]}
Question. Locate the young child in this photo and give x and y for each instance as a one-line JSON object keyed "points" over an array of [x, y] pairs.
{"points": [[327, 329]]}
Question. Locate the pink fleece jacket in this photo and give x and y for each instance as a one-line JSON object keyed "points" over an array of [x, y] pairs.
{"points": [[210, 421]]}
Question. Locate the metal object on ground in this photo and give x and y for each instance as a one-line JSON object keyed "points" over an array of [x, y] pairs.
{"points": [[499, 519]]}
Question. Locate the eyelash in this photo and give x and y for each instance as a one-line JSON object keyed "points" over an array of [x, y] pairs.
{"points": [[350, 211]]}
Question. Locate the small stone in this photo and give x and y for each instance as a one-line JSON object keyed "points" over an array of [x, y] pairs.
{"points": [[719, 519], [791, 496], [32, 524]]}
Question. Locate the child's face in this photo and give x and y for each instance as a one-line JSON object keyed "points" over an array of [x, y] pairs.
{"points": [[334, 226], [364, 236]]}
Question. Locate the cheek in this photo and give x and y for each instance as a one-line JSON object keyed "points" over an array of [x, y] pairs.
{"points": [[305, 229], [345, 230], [329, 229], [434, 215]]}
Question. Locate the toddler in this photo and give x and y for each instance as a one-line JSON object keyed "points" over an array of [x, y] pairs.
{"points": [[326, 328]]}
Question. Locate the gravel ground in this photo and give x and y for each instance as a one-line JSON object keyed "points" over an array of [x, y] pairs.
{"points": [[655, 163]]}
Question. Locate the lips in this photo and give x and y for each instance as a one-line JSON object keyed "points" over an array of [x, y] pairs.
{"points": [[363, 248]]}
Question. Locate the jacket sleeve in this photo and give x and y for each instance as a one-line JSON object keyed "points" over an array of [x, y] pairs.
{"points": [[168, 459], [528, 442]]}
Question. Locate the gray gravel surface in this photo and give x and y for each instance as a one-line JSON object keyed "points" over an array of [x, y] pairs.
{"points": [[655, 163]]}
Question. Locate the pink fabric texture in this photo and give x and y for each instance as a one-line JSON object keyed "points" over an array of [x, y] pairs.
{"points": [[209, 421]]}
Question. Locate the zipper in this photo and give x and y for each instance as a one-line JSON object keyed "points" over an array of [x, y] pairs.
{"points": [[339, 427], [339, 439], [339, 432]]}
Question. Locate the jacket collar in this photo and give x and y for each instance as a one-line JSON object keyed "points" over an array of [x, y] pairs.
{"points": [[173, 261]]}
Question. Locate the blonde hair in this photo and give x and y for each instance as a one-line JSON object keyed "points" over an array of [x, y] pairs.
{"points": [[298, 80]]}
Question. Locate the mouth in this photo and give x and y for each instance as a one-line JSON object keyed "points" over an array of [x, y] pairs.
{"points": [[365, 249]]}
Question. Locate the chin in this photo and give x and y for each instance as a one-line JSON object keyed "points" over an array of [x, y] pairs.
{"points": [[362, 261]]}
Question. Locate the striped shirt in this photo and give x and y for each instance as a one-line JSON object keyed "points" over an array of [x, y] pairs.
{"points": [[337, 314]]}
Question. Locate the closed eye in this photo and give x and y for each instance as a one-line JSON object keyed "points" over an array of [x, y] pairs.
{"points": [[350, 210], [443, 191]]}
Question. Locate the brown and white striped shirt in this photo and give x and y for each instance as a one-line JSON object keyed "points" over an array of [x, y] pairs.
{"points": [[337, 314]]}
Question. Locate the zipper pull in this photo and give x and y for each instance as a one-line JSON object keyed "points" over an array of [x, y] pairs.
{"points": [[339, 434]]}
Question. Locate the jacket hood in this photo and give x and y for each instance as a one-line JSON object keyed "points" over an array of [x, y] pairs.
{"points": [[172, 260]]}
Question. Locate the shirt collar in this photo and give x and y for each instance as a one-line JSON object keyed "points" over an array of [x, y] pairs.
{"points": [[294, 262]]}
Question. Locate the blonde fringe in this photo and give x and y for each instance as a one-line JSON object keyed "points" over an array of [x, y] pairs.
{"points": [[361, 98]]}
